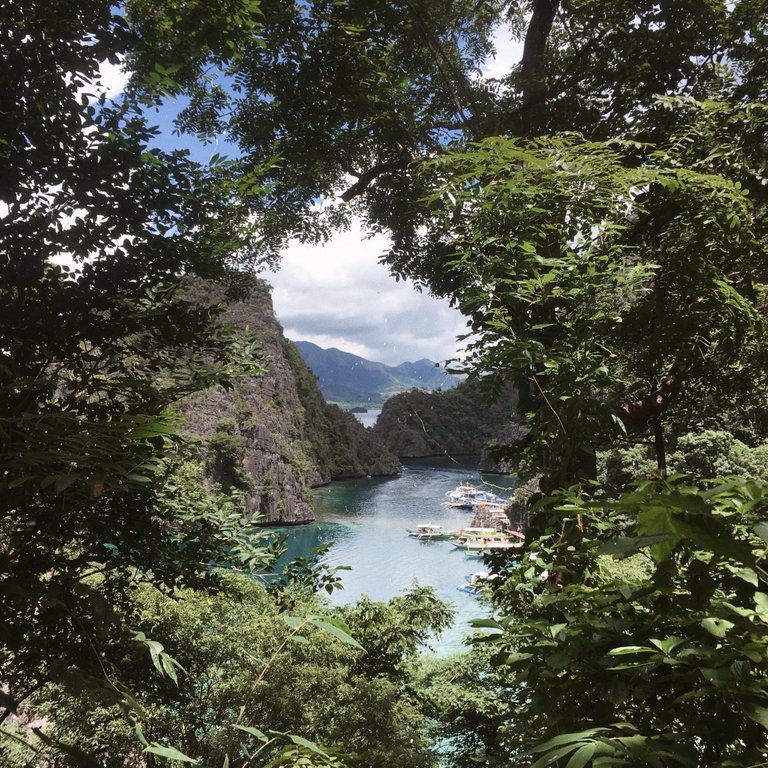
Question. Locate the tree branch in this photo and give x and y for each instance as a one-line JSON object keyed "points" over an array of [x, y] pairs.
{"points": [[639, 414], [366, 178]]}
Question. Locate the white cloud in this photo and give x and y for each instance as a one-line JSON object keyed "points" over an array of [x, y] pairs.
{"points": [[509, 52], [338, 295], [113, 78]]}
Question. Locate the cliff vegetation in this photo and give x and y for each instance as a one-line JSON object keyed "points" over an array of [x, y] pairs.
{"points": [[273, 437], [463, 420]]}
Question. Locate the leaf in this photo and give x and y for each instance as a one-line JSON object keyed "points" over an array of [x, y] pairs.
{"points": [[551, 757], [294, 622], [747, 574], [565, 738], [64, 481], [761, 529], [310, 745], [668, 644], [624, 546], [582, 756], [75, 755], [717, 627], [720, 545], [485, 623], [139, 731], [254, 732], [337, 628], [626, 650], [169, 753], [758, 714], [300, 741]]}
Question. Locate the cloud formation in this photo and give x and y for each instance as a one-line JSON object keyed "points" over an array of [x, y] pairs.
{"points": [[509, 52], [338, 295]]}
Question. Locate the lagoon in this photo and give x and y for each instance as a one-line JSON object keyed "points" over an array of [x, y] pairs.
{"points": [[365, 520]]}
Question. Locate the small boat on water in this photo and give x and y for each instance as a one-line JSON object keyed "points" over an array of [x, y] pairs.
{"points": [[429, 532], [468, 535], [480, 547], [474, 581], [466, 496]]}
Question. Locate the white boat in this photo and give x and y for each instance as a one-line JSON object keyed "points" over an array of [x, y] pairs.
{"points": [[479, 547], [466, 496], [474, 581], [429, 532]]}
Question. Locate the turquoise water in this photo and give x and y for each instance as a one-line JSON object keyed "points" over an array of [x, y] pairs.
{"points": [[365, 520]]}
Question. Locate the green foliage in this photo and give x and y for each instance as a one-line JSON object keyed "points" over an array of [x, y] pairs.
{"points": [[469, 704], [94, 354], [226, 450], [577, 268], [293, 110], [637, 669], [465, 419], [702, 456], [394, 632], [334, 440], [303, 577], [255, 684]]}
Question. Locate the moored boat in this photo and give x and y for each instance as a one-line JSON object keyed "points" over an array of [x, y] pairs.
{"points": [[480, 546], [429, 532], [466, 496]]}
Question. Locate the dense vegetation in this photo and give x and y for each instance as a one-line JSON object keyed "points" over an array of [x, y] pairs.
{"points": [[463, 420], [599, 215]]}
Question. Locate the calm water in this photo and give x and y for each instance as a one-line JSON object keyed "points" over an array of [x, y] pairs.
{"points": [[368, 419], [366, 521]]}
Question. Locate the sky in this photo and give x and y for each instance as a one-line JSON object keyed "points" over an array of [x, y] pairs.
{"points": [[338, 295]]}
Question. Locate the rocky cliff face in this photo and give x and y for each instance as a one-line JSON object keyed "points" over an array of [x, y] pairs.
{"points": [[273, 436], [458, 421]]}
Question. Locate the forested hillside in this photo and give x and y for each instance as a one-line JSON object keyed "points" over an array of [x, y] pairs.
{"points": [[464, 420]]}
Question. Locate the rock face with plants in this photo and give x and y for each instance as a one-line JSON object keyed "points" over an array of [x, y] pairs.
{"points": [[459, 421], [273, 437]]}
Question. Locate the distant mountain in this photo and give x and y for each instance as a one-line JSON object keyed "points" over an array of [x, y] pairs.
{"points": [[350, 380]]}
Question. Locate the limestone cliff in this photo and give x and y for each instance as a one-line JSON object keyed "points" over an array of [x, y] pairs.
{"points": [[273, 435]]}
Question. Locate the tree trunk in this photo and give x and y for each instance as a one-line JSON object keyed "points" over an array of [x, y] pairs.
{"points": [[532, 64]]}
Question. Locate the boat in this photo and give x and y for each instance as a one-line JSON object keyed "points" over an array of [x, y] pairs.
{"points": [[466, 496], [474, 581], [429, 532], [480, 534], [481, 546]]}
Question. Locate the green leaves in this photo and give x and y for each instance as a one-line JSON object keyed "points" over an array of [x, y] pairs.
{"points": [[331, 625], [163, 663], [337, 628], [169, 753]]}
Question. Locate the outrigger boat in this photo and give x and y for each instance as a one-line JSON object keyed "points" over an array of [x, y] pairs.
{"points": [[474, 581], [429, 532], [467, 496], [481, 550], [481, 545]]}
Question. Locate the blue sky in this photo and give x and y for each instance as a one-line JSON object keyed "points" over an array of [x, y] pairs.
{"points": [[337, 294]]}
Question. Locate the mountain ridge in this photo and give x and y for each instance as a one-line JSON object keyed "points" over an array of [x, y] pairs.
{"points": [[351, 380]]}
